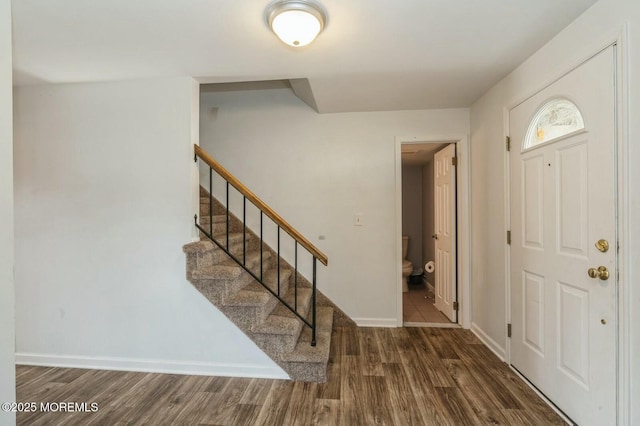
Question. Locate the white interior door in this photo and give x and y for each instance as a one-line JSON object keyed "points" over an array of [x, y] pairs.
{"points": [[563, 201], [445, 231]]}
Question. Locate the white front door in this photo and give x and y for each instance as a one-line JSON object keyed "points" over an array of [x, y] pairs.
{"points": [[445, 228], [563, 201]]}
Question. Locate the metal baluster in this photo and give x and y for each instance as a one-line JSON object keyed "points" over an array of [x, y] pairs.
{"points": [[278, 261], [295, 279], [211, 202], [227, 216], [313, 305], [244, 230], [261, 245]]}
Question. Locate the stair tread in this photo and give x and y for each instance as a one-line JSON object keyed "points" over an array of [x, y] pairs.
{"points": [[303, 351], [217, 218], [253, 258], [221, 238], [304, 301], [218, 272], [282, 320], [272, 326], [254, 294], [205, 244], [246, 297], [270, 278], [198, 246], [233, 236]]}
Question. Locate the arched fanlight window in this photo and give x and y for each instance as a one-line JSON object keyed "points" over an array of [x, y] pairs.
{"points": [[556, 118]]}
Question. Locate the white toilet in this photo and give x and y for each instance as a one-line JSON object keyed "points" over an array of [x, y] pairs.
{"points": [[407, 266]]}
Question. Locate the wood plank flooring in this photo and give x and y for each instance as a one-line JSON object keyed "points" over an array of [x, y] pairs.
{"points": [[387, 376]]}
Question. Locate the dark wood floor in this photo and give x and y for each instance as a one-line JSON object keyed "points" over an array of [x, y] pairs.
{"points": [[391, 376]]}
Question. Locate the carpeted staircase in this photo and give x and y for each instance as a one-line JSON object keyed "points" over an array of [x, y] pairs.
{"points": [[275, 329]]}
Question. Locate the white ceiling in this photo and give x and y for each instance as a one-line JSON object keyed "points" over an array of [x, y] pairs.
{"points": [[417, 155], [374, 55]]}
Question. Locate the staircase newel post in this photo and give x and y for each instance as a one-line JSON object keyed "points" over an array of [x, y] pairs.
{"points": [[228, 216], [313, 305], [211, 202], [244, 230], [278, 261], [261, 251], [295, 279]]}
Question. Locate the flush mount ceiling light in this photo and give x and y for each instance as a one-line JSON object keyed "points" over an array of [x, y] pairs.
{"points": [[296, 22]]}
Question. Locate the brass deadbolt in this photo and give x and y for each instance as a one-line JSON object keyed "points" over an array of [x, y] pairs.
{"points": [[602, 245]]}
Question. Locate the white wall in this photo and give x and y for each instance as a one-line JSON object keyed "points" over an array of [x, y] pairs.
{"points": [[318, 171], [104, 200], [412, 214], [7, 316], [600, 24]]}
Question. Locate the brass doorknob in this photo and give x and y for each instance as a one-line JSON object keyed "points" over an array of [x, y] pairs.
{"points": [[602, 272]]}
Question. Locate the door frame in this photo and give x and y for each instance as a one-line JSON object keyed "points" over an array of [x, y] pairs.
{"points": [[463, 212], [619, 38]]}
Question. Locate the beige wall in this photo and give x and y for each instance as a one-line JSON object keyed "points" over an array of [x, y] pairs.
{"points": [[428, 229], [318, 171], [104, 199], [592, 31], [7, 318], [412, 213]]}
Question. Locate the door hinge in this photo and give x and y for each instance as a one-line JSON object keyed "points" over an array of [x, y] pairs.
{"points": [[454, 161], [509, 237], [455, 306], [508, 141], [508, 330]]}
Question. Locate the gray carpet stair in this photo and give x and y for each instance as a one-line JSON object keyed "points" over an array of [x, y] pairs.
{"points": [[252, 308]]}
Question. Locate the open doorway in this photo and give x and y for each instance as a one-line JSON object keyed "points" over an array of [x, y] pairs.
{"points": [[421, 234], [428, 234]]}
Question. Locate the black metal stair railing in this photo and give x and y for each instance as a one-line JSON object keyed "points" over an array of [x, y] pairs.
{"points": [[299, 240]]}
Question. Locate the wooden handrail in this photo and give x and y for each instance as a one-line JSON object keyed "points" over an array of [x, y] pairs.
{"points": [[260, 204]]}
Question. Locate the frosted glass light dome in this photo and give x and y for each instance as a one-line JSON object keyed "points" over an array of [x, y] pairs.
{"points": [[296, 22]]}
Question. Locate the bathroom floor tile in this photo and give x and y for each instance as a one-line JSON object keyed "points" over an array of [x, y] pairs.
{"points": [[417, 306]]}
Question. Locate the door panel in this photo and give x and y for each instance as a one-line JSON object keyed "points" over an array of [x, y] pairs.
{"points": [[573, 228], [533, 311], [573, 320], [532, 192], [445, 228], [562, 202]]}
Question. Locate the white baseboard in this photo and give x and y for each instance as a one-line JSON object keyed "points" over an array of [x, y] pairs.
{"points": [[376, 322], [489, 342], [431, 325], [152, 366]]}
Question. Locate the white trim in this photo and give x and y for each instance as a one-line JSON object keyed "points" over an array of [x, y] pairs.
{"points": [[398, 205], [464, 220], [619, 37], [432, 324], [623, 227], [507, 227], [151, 366], [376, 322], [488, 341]]}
